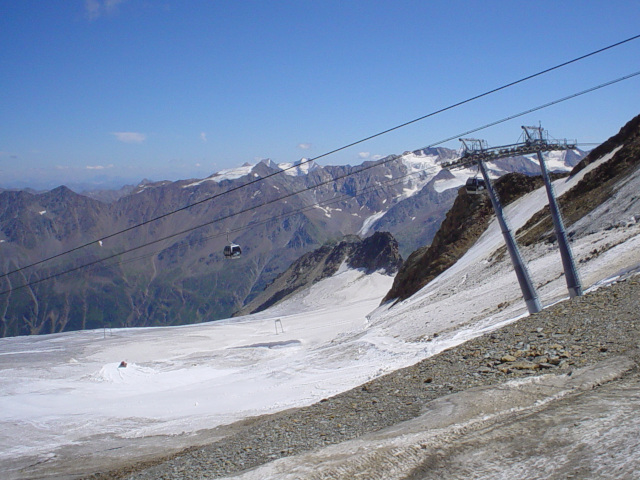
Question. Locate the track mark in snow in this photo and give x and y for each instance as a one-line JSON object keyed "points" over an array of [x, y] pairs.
{"points": [[286, 343]]}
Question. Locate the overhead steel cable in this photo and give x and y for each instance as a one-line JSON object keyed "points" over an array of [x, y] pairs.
{"points": [[370, 137], [489, 92], [540, 107], [375, 164]]}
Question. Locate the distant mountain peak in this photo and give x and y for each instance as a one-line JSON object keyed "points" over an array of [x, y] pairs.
{"points": [[188, 279], [269, 163], [300, 167]]}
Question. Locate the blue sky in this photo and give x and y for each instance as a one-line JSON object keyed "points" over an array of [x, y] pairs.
{"points": [[167, 89]]}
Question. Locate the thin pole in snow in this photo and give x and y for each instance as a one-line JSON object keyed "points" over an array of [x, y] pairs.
{"points": [[278, 322]]}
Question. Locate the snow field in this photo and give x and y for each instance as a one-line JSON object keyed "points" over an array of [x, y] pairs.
{"points": [[59, 389]]}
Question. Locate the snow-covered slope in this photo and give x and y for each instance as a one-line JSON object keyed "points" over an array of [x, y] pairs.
{"points": [[64, 389], [470, 291], [64, 394]]}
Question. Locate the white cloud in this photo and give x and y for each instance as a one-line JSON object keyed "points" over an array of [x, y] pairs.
{"points": [[304, 146], [99, 167], [203, 137], [92, 7], [96, 8], [368, 155], [130, 137]]}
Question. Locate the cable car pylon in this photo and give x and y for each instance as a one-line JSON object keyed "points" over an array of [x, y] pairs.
{"points": [[476, 152], [536, 137], [473, 146]]}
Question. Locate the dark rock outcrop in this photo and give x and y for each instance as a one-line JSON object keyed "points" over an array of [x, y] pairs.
{"points": [[378, 252]]}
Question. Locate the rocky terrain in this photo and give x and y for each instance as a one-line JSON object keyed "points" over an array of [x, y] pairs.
{"points": [[603, 326]]}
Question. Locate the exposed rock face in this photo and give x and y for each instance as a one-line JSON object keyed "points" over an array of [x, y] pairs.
{"points": [[463, 225], [376, 253], [629, 134]]}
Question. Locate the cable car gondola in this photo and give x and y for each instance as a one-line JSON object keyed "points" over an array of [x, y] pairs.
{"points": [[232, 250], [475, 185]]}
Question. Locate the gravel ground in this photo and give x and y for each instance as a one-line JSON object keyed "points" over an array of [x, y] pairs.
{"points": [[569, 335]]}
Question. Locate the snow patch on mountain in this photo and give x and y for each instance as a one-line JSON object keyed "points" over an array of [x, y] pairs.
{"points": [[226, 174], [298, 168], [418, 161], [555, 161], [327, 210], [459, 179], [368, 223]]}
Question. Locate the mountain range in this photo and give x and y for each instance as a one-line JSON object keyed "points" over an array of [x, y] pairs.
{"points": [[167, 268]]}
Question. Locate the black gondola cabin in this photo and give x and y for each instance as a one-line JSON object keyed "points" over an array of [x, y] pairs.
{"points": [[475, 185], [232, 251]]}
